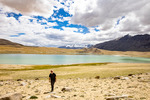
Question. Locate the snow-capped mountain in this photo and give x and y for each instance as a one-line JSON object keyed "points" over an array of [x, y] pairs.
{"points": [[75, 46]]}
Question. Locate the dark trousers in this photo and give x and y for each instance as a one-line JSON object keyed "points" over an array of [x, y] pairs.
{"points": [[52, 85]]}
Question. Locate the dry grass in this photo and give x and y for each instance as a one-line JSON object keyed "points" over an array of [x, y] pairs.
{"points": [[127, 53], [50, 50], [36, 50], [76, 71]]}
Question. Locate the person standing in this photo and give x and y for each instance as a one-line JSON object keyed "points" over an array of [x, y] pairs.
{"points": [[52, 79]]}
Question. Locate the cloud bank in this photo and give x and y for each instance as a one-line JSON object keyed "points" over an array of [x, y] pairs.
{"points": [[67, 22]]}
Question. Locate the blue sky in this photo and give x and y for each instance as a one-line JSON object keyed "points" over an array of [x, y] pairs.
{"points": [[68, 22], [58, 14]]}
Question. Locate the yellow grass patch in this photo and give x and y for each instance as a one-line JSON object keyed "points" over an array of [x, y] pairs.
{"points": [[77, 71]]}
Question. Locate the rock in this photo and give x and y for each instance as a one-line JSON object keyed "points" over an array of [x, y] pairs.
{"points": [[130, 74], [23, 84], [95, 86], [130, 99], [12, 96], [97, 77], [33, 97], [66, 89], [28, 97], [133, 76], [19, 80], [75, 95], [116, 97], [109, 94], [36, 78], [139, 73], [117, 77], [141, 98], [46, 92], [81, 95], [146, 73], [93, 90], [132, 87], [48, 96], [125, 78], [55, 96], [7, 83], [1, 84], [139, 77], [36, 91], [23, 96], [29, 83]]}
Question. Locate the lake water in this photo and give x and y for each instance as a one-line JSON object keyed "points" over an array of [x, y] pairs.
{"points": [[37, 59]]}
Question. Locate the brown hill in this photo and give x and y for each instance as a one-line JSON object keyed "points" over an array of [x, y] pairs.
{"points": [[7, 42]]}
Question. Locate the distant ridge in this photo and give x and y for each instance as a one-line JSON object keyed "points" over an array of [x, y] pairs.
{"points": [[127, 43], [7, 42]]}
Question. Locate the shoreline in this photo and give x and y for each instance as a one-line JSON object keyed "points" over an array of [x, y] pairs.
{"points": [[5, 66], [123, 55]]}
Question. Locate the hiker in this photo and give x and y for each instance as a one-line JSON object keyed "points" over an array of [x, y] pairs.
{"points": [[52, 79]]}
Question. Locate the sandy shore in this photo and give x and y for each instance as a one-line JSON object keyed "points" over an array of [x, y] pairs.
{"points": [[12, 66], [136, 87]]}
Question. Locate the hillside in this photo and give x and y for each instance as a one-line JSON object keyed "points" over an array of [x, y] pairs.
{"points": [[7, 42], [60, 51], [127, 43], [36, 50], [15, 48]]}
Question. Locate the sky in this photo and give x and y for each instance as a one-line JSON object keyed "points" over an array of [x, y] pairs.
{"points": [[54, 23]]}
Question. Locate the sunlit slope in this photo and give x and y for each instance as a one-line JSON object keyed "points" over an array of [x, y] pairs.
{"points": [[51, 50]]}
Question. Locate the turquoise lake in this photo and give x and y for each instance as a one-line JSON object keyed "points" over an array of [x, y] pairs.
{"points": [[38, 59]]}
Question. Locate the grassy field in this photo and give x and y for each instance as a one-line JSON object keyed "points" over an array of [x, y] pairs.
{"points": [[50, 50], [72, 71]]}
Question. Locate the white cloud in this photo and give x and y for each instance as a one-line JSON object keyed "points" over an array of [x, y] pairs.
{"points": [[106, 12], [30, 7], [36, 34], [102, 14]]}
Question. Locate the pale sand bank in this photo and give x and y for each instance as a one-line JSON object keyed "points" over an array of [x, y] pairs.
{"points": [[12, 66]]}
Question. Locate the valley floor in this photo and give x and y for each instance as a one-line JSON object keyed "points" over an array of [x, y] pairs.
{"points": [[80, 79], [136, 87]]}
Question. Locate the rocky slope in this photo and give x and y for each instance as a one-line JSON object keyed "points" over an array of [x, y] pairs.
{"points": [[127, 43]]}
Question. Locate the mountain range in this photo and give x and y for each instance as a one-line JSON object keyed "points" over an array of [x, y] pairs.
{"points": [[127, 43]]}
